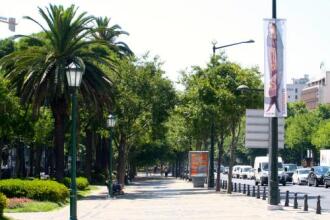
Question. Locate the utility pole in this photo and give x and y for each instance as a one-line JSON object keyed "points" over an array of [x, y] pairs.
{"points": [[274, 194]]}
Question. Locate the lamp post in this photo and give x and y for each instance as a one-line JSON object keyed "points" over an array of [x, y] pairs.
{"points": [[74, 75], [111, 122], [210, 182], [10, 21]]}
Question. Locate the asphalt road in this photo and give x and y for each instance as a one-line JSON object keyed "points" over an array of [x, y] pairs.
{"points": [[301, 190]]}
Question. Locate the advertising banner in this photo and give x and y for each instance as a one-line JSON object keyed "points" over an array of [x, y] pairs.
{"points": [[198, 163], [275, 101]]}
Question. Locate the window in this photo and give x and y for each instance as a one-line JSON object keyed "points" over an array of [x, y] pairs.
{"points": [[296, 90], [296, 97]]}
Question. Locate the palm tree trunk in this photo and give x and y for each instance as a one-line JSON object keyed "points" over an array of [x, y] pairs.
{"points": [[121, 160], [59, 108]]}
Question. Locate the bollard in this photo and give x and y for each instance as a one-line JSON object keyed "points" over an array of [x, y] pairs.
{"points": [[248, 190], [223, 184], [232, 186], [264, 194], [286, 199], [258, 192], [239, 188], [226, 184], [295, 201], [235, 187], [305, 202], [244, 188], [318, 205], [253, 191]]}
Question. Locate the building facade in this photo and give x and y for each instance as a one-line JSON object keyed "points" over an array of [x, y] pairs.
{"points": [[317, 92], [295, 88]]}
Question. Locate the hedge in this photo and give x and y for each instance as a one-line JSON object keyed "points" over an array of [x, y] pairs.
{"points": [[3, 203], [82, 182], [42, 190]]}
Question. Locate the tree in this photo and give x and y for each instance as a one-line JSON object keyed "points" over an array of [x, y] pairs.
{"points": [[143, 101], [211, 99], [320, 137], [110, 34], [38, 72]]}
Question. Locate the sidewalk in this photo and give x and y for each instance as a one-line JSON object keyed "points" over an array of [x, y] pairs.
{"points": [[153, 198]]}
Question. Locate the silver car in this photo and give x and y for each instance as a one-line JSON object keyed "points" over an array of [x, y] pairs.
{"points": [[300, 176]]}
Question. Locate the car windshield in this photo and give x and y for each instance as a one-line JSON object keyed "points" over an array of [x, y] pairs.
{"points": [[246, 169], [264, 166], [304, 171], [291, 167], [321, 170]]}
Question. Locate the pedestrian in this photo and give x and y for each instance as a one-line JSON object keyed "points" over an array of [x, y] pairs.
{"points": [[166, 171]]}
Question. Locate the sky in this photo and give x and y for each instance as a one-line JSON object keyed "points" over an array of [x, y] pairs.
{"points": [[181, 32]]}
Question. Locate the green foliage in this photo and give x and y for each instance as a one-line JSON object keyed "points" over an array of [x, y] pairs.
{"points": [[82, 182], [321, 136], [6, 47], [43, 190], [3, 203]]}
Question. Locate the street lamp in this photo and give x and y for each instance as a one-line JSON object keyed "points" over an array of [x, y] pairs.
{"points": [[210, 181], [74, 75], [111, 122]]}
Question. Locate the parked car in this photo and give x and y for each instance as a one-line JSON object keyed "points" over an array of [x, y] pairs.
{"points": [[236, 170], [251, 174], [316, 176], [300, 176], [289, 169], [243, 171], [327, 179]]}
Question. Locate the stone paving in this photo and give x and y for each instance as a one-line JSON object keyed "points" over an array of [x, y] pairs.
{"points": [[153, 198]]}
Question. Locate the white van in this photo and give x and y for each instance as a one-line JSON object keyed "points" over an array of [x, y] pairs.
{"points": [[261, 167]]}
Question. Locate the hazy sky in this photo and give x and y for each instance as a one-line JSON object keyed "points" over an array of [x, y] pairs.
{"points": [[181, 31]]}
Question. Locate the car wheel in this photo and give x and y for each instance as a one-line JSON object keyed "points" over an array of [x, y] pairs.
{"points": [[315, 183], [326, 185], [283, 183]]}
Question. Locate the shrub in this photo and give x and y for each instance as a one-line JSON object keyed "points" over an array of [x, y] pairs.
{"points": [[42, 190], [82, 182], [3, 203]]}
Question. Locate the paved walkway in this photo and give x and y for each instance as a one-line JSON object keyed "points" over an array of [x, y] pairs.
{"points": [[156, 198]]}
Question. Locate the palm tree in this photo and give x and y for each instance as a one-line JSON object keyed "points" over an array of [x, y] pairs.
{"points": [[110, 34], [38, 72]]}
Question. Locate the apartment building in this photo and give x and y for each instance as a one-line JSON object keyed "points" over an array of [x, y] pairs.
{"points": [[295, 88], [317, 92]]}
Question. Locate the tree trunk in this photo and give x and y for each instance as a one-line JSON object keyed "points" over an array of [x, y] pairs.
{"points": [[20, 160], [105, 156], [51, 162], [32, 162], [232, 153], [121, 160], [220, 147], [1, 147], [38, 161], [90, 136], [59, 107], [98, 154]]}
